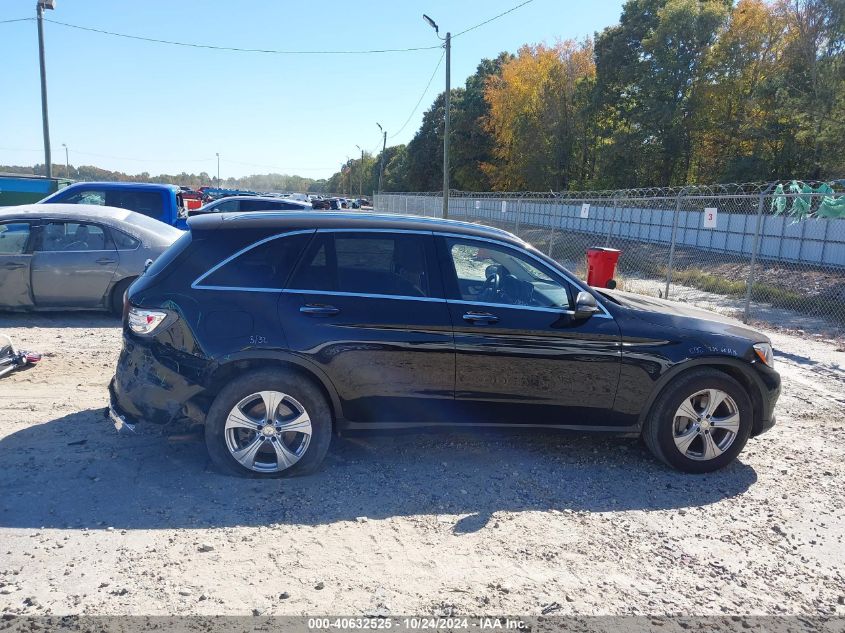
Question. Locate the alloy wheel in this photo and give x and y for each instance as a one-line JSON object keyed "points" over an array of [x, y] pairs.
{"points": [[268, 431], [706, 424]]}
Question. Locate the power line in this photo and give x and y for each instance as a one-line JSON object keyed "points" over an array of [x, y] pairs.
{"points": [[428, 85], [240, 50], [495, 17], [422, 96], [17, 20]]}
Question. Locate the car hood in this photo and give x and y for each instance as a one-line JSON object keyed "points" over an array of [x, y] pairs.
{"points": [[682, 316]]}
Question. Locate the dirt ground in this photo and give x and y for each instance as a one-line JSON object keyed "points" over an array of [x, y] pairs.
{"points": [[92, 522]]}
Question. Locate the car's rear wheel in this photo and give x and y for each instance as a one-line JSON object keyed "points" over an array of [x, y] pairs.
{"points": [[269, 423], [700, 422]]}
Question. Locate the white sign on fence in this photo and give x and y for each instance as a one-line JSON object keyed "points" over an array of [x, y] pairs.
{"points": [[585, 210], [504, 206], [478, 204], [710, 214]]}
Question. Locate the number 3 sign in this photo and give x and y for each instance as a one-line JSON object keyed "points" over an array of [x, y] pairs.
{"points": [[710, 218]]}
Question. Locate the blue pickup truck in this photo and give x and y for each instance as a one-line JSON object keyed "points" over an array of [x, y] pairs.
{"points": [[161, 202]]}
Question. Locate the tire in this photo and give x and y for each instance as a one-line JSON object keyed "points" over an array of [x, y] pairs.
{"points": [[298, 402], [116, 302], [711, 442]]}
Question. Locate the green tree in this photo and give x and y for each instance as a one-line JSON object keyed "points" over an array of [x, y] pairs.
{"points": [[647, 68], [472, 145]]}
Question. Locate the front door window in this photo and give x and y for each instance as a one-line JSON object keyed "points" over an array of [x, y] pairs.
{"points": [[489, 273]]}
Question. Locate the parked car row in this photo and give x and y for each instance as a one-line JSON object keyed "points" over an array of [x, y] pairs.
{"points": [[235, 204], [172, 205]]}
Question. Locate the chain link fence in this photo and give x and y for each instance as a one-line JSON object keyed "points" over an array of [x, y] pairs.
{"points": [[759, 252]]}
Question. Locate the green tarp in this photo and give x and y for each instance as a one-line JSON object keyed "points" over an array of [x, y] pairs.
{"points": [[802, 201]]}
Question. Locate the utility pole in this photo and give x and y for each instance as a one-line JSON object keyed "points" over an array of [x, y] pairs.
{"points": [[39, 11], [218, 170], [383, 150], [67, 162], [448, 47], [361, 174], [446, 127]]}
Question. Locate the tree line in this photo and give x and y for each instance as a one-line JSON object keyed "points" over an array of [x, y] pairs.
{"points": [[255, 182], [678, 92]]}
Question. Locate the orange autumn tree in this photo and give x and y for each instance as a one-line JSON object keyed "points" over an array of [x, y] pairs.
{"points": [[538, 118]]}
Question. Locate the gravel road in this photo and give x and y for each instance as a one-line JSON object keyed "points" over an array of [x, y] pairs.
{"points": [[92, 522]]}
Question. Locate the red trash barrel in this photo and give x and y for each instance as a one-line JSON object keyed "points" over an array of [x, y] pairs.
{"points": [[601, 266]]}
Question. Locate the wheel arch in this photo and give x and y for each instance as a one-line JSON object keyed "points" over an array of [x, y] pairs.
{"points": [[116, 284], [236, 365], [736, 369]]}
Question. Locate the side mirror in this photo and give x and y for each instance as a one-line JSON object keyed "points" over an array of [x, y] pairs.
{"points": [[147, 264], [585, 305]]}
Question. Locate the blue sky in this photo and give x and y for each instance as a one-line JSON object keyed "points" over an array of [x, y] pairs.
{"points": [[136, 106]]}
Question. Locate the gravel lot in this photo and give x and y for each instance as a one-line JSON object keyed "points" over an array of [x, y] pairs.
{"points": [[92, 522]]}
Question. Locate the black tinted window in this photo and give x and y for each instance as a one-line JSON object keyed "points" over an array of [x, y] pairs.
{"points": [[264, 266], [364, 263], [314, 271], [260, 205], [149, 203], [227, 206]]}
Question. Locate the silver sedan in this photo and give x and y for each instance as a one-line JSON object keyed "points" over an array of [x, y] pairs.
{"points": [[74, 256]]}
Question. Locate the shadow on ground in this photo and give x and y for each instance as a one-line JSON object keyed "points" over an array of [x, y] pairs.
{"points": [[76, 472]]}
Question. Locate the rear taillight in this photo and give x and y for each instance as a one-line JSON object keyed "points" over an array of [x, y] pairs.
{"points": [[142, 321]]}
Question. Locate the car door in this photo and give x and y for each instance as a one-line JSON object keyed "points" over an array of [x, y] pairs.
{"points": [[15, 260], [521, 355], [72, 265], [367, 306]]}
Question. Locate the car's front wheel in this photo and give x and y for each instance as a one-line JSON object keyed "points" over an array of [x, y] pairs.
{"points": [[700, 422], [268, 423]]}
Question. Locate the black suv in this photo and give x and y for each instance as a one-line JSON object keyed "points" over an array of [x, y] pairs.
{"points": [[276, 329]]}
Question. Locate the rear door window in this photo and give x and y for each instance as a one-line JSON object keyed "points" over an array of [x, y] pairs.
{"points": [[73, 236], [123, 241], [149, 203], [366, 264], [260, 205], [227, 206], [265, 266]]}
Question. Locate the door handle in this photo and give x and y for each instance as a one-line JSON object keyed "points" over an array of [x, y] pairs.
{"points": [[481, 318], [13, 266], [105, 260], [312, 309]]}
